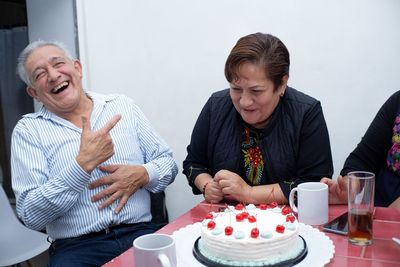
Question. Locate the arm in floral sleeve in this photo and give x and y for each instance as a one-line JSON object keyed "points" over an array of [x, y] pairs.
{"points": [[375, 144]]}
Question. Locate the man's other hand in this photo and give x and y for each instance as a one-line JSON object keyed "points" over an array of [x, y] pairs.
{"points": [[123, 181]]}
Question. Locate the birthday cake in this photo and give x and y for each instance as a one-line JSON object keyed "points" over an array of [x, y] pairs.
{"points": [[250, 236]]}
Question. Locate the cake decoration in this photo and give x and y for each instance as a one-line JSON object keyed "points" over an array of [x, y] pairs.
{"points": [[290, 226], [263, 206], [285, 210], [251, 219], [216, 231], [280, 228], [228, 230], [251, 207], [209, 216], [266, 234], [239, 206], [239, 235], [211, 225], [290, 218], [255, 232], [273, 205]]}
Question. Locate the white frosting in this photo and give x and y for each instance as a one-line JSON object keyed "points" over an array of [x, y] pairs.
{"points": [[240, 246]]}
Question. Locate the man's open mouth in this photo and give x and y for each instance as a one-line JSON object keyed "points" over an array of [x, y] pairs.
{"points": [[60, 87]]}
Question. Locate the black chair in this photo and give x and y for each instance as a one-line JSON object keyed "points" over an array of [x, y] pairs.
{"points": [[159, 209]]}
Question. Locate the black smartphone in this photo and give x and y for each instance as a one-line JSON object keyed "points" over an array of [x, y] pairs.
{"points": [[337, 225]]}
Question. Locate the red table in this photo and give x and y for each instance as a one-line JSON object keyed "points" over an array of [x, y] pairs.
{"points": [[382, 252]]}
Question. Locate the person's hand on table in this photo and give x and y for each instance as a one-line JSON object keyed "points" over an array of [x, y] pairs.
{"points": [[233, 185], [123, 181], [395, 204], [337, 189], [213, 192]]}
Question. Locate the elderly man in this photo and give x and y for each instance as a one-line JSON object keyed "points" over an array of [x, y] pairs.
{"points": [[84, 165]]}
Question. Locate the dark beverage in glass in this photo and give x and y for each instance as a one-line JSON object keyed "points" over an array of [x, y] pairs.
{"points": [[360, 226], [361, 192]]}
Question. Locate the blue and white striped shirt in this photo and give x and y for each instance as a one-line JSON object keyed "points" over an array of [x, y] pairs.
{"points": [[52, 189]]}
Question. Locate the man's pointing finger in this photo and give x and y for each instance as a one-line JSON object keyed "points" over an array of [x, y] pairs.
{"points": [[111, 123]]}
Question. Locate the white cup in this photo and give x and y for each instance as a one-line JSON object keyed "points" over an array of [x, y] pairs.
{"points": [[154, 250], [312, 202]]}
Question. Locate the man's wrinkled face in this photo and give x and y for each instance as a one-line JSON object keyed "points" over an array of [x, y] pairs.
{"points": [[55, 79]]}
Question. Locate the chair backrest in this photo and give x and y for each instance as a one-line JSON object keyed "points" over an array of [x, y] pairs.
{"points": [[159, 209], [18, 243], [8, 216]]}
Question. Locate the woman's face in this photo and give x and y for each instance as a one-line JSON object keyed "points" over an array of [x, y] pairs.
{"points": [[253, 95]]}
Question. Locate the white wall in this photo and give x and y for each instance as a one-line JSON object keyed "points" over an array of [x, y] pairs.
{"points": [[51, 20], [169, 56]]}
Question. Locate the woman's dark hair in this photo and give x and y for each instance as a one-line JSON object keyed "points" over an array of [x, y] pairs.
{"points": [[264, 50]]}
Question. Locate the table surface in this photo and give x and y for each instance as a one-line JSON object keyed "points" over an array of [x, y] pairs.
{"points": [[383, 251]]}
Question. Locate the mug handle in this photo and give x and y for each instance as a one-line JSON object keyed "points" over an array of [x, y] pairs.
{"points": [[291, 200], [163, 259]]}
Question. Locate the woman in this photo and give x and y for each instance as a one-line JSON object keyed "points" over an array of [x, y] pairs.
{"points": [[378, 152], [257, 140]]}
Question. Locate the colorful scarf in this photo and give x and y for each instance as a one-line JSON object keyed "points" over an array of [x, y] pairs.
{"points": [[393, 158]]}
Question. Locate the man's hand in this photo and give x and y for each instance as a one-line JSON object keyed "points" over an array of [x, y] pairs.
{"points": [[123, 181], [337, 190], [233, 185], [96, 147]]}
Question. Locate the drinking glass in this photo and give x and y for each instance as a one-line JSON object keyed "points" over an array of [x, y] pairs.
{"points": [[361, 190]]}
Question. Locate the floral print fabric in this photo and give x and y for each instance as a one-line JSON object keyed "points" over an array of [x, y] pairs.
{"points": [[253, 162], [393, 159]]}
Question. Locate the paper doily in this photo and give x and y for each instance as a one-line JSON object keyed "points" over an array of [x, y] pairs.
{"points": [[320, 246]]}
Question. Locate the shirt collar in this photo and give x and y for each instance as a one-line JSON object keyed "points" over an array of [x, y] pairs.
{"points": [[99, 100]]}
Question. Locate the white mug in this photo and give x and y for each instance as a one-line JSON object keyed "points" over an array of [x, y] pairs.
{"points": [[312, 202], [154, 250]]}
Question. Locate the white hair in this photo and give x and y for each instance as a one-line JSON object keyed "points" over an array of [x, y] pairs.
{"points": [[23, 56]]}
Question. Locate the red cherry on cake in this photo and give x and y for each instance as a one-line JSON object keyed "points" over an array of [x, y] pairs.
{"points": [[209, 216], [239, 217], [263, 206], [280, 228], [245, 215], [228, 230], [239, 206], [251, 219], [290, 218], [255, 232], [285, 210], [273, 205], [211, 225]]}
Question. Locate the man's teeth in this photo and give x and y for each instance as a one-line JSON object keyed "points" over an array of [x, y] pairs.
{"points": [[61, 85]]}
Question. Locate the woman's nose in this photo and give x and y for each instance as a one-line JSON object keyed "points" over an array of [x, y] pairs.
{"points": [[245, 100]]}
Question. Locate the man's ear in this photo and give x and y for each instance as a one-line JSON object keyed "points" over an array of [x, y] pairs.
{"points": [[32, 92], [78, 67]]}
